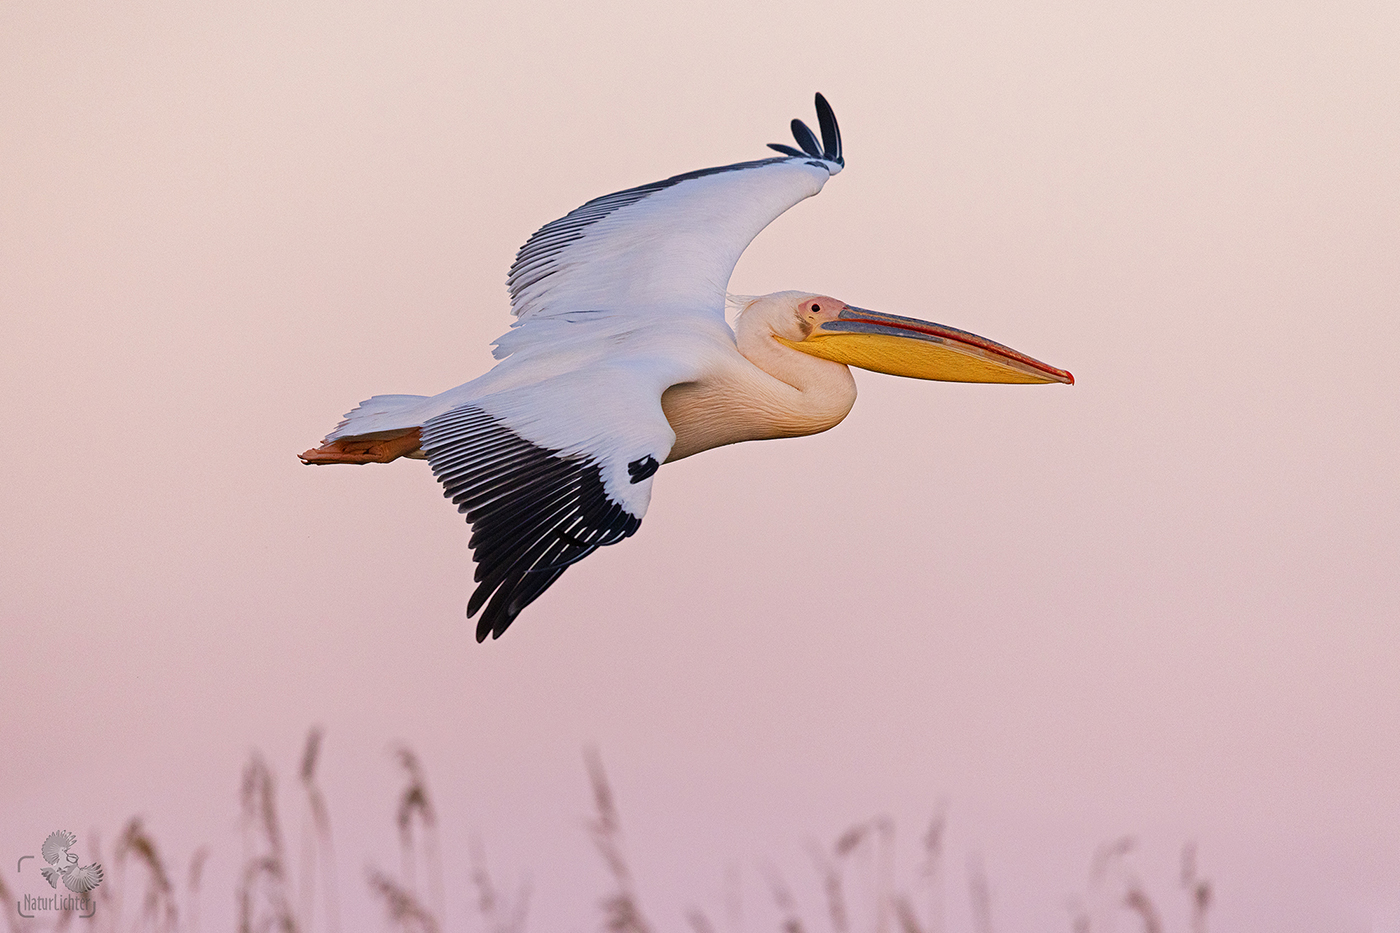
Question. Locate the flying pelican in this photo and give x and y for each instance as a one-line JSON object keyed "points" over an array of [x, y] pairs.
{"points": [[620, 360]]}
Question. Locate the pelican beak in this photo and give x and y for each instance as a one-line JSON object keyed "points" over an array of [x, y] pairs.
{"points": [[904, 346]]}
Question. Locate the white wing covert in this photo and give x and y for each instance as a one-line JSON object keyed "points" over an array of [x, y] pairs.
{"points": [[671, 244]]}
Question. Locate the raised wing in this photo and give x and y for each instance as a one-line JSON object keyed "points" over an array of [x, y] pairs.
{"points": [[672, 243], [548, 473]]}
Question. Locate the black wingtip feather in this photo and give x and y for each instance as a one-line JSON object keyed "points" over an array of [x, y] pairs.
{"points": [[831, 132], [829, 149], [806, 139]]}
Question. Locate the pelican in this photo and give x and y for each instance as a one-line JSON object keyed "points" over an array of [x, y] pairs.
{"points": [[621, 359]]}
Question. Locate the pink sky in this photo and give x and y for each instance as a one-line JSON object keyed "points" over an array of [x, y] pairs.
{"points": [[1162, 602]]}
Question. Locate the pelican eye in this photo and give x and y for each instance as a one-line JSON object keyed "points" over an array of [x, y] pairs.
{"points": [[816, 307]]}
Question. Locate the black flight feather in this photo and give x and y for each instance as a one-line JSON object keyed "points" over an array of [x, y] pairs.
{"points": [[533, 511], [828, 150], [806, 139], [831, 133]]}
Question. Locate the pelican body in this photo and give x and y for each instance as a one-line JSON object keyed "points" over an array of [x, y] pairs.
{"points": [[621, 359]]}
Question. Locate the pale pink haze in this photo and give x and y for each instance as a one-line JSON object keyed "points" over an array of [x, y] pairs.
{"points": [[1162, 602]]}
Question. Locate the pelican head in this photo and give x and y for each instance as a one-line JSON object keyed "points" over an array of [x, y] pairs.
{"points": [[831, 329]]}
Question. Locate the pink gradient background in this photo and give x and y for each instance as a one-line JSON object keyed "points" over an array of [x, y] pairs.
{"points": [[1163, 602]]}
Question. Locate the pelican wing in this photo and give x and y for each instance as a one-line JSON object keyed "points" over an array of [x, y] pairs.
{"points": [[670, 244], [548, 473]]}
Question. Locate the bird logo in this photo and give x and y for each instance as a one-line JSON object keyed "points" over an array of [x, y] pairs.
{"points": [[64, 864]]}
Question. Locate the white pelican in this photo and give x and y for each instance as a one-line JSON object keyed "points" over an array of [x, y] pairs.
{"points": [[621, 360]]}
